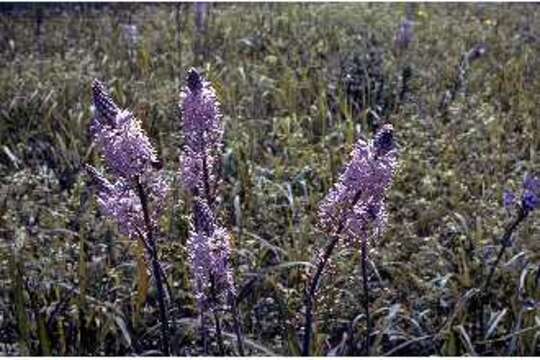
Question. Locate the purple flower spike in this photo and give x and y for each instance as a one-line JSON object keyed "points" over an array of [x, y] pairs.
{"points": [[126, 148], [105, 108], [209, 256], [209, 244], [119, 202], [130, 156], [355, 206], [203, 136]]}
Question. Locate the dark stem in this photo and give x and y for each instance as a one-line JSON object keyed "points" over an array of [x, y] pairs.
{"points": [[204, 334], [156, 270], [219, 335], [315, 281], [311, 293], [237, 325], [505, 242], [366, 292]]}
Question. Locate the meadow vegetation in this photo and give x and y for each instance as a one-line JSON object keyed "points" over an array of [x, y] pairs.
{"points": [[298, 85]]}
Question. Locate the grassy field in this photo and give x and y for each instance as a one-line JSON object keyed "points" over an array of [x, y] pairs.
{"points": [[298, 84]]}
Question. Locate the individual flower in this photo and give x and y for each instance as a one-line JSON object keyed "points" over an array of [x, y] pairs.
{"points": [[355, 206]]}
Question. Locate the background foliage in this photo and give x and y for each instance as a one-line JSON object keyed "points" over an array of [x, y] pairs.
{"points": [[298, 84]]}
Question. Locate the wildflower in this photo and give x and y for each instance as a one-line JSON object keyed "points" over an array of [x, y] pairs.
{"points": [[355, 210], [126, 148], [130, 156], [209, 255], [203, 141], [131, 34], [120, 201], [203, 136], [405, 34], [509, 199], [201, 9], [530, 199], [356, 203]]}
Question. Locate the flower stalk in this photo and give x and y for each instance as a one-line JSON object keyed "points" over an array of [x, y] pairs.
{"points": [[135, 199], [353, 210], [208, 245], [156, 269]]}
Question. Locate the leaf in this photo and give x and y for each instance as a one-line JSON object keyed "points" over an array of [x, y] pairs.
{"points": [[466, 340], [252, 344], [123, 328], [23, 322], [292, 342], [44, 341]]}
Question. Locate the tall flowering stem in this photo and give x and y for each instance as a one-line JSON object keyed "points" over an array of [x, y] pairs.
{"points": [[354, 210], [135, 199], [209, 243], [530, 201]]}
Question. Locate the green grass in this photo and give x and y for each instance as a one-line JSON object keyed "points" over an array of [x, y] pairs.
{"points": [[70, 285]]}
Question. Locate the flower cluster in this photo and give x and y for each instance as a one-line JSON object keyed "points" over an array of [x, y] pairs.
{"points": [[209, 253], [530, 195], [203, 136], [356, 204], [131, 158], [126, 148], [208, 245]]}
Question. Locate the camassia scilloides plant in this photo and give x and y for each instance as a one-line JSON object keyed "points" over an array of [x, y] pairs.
{"points": [[208, 243], [354, 212], [523, 206], [134, 197]]}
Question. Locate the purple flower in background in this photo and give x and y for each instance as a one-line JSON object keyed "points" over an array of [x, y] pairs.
{"points": [[355, 206], [126, 148], [531, 193], [131, 34], [509, 199], [203, 137], [405, 34], [201, 9]]}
